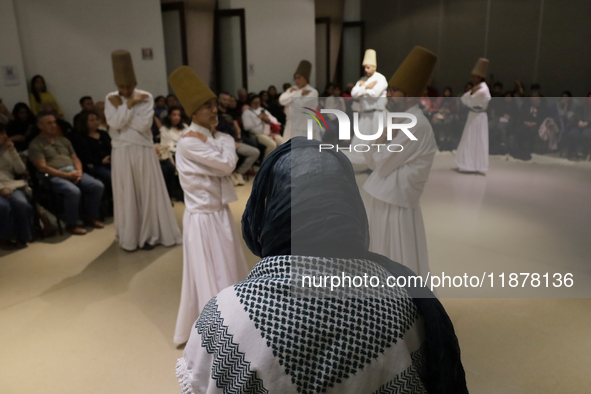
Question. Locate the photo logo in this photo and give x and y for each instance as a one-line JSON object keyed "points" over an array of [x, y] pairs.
{"points": [[345, 128]]}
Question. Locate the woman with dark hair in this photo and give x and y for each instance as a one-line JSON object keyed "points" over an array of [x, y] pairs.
{"points": [[273, 105], [305, 216], [20, 130], [39, 96], [173, 128], [264, 96], [93, 148], [273, 95]]}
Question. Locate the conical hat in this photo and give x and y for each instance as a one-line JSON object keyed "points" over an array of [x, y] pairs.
{"points": [[370, 58], [480, 67], [190, 90], [414, 73], [304, 69], [123, 68]]}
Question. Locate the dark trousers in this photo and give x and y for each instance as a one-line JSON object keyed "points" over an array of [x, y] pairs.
{"points": [[16, 217]]}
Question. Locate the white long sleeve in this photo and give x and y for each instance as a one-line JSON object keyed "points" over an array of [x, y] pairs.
{"points": [[130, 126], [217, 155], [285, 97], [358, 90], [251, 122], [117, 117]]}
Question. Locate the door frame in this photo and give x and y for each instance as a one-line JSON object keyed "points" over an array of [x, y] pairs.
{"points": [[321, 21], [180, 7], [239, 12]]}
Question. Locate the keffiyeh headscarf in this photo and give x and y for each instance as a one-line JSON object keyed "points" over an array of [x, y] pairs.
{"points": [[307, 203]]}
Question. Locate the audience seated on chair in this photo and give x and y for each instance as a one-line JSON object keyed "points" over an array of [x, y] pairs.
{"points": [[16, 212], [86, 103], [54, 155], [21, 129]]}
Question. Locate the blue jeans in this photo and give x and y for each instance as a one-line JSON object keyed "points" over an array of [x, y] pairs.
{"points": [[71, 192], [16, 217]]}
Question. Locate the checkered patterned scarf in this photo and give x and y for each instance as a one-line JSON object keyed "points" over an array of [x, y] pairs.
{"points": [[256, 337]]}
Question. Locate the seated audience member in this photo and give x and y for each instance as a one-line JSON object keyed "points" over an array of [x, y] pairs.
{"points": [[274, 107], [563, 112], [159, 106], [16, 213], [242, 101], [5, 115], [503, 115], [171, 102], [579, 136], [64, 129], [431, 89], [55, 156], [518, 89], [226, 115], [233, 108], [248, 153], [21, 129], [497, 90], [86, 103], [99, 109], [286, 87], [305, 214], [173, 128], [347, 92], [527, 128], [93, 148], [273, 95], [444, 118], [536, 90], [258, 121], [40, 95]]}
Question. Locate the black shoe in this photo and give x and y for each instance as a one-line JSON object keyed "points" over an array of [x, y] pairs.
{"points": [[147, 246]]}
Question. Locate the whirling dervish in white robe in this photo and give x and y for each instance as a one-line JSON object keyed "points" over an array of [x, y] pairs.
{"points": [[395, 219], [472, 153], [213, 258], [371, 91], [399, 174], [143, 211], [295, 100]]}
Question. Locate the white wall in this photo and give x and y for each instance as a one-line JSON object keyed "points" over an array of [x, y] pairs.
{"points": [[279, 33], [70, 42], [10, 55]]}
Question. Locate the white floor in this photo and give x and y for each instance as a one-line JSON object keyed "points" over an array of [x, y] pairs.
{"points": [[79, 315]]}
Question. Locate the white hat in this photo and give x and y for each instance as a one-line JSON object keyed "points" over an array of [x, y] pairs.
{"points": [[370, 58]]}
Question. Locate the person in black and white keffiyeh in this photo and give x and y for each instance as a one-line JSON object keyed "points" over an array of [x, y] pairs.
{"points": [[259, 336]]}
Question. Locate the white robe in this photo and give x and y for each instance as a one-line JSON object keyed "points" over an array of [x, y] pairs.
{"points": [[472, 153], [395, 220], [372, 105], [213, 258], [299, 125], [143, 212]]}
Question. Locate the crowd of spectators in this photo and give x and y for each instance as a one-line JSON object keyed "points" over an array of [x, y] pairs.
{"points": [[73, 160]]}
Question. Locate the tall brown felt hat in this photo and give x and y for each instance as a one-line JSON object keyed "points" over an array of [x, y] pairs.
{"points": [[480, 67], [190, 90], [414, 73], [304, 69], [123, 68]]}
